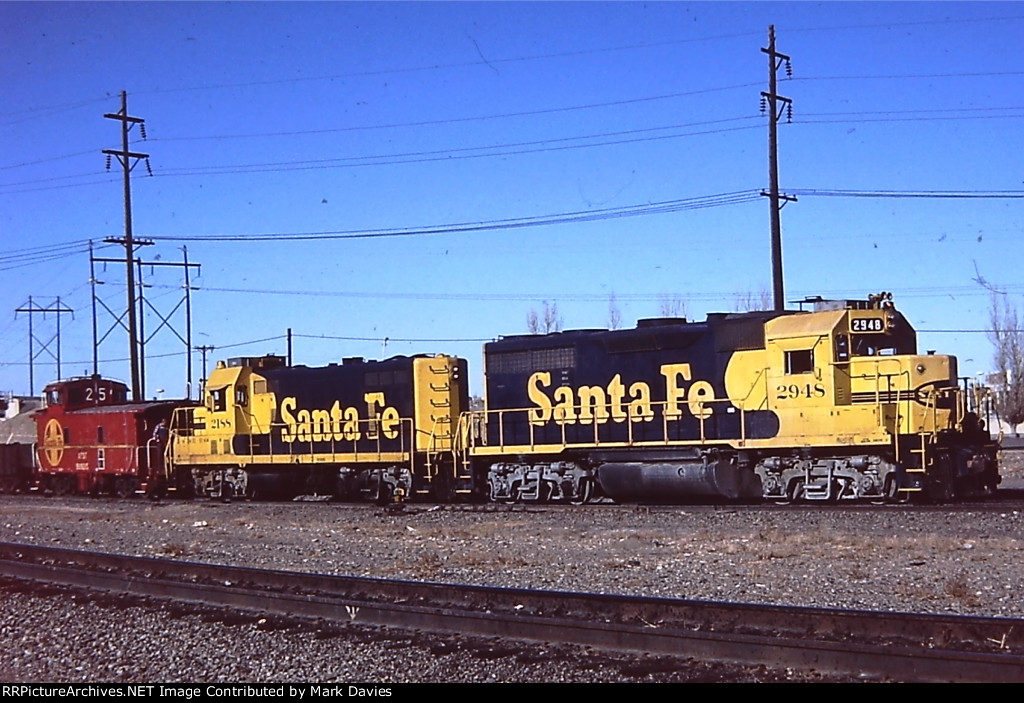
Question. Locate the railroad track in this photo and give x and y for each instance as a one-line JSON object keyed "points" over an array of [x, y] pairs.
{"points": [[897, 646]]}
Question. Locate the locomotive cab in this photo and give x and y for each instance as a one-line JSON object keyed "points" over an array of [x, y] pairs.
{"points": [[864, 413]]}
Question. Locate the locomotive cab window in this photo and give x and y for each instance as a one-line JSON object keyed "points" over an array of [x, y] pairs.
{"points": [[241, 396], [799, 361], [842, 347], [219, 399], [864, 345]]}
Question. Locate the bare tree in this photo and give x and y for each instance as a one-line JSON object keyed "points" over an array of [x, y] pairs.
{"points": [[671, 305], [548, 321], [750, 301], [614, 314], [532, 322], [1008, 340]]}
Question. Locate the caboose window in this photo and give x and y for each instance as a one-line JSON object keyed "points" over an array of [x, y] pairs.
{"points": [[99, 434], [799, 361]]}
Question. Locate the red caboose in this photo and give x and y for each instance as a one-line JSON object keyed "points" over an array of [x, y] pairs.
{"points": [[93, 440]]}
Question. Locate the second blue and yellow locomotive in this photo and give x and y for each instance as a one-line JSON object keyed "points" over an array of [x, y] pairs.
{"points": [[825, 404], [383, 430]]}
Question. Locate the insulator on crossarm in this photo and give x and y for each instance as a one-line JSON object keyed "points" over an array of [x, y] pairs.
{"points": [[108, 162], [789, 112], [142, 129], [764, 105], [789, 69], [148, 169]]}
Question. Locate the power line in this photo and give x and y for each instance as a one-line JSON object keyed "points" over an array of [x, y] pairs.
{"points": [[509, 149], [394, 339], [897, 194], [476, 118], [911, 76], [668, 206], [624, 297], [461, 64]]}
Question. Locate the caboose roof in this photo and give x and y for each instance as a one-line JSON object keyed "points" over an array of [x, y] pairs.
{"points": [[136, 408]]}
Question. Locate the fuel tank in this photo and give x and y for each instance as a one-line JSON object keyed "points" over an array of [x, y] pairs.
{"points": [[673, 482]]}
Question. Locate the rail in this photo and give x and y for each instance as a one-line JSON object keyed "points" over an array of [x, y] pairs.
{"points": [[889, 645], [521, 428]]}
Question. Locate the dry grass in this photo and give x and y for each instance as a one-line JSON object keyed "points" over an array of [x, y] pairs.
{"points": [[173, 550], [959, 588]]}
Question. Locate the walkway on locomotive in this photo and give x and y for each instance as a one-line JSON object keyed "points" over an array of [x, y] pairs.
{"points": [[846, 374]]}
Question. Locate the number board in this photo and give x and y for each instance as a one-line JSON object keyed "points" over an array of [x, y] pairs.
{"points": [[867, 324]]}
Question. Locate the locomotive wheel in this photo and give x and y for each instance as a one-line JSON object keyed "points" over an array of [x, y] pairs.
{"points": [[586, 493], [893, 493], [491, 494], [795, 492], [383, 495], [545, 492], [515, 495]]}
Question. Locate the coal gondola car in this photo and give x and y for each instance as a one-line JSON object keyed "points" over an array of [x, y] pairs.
{"points": [[93, 440], [825, 404], [379, 430]]}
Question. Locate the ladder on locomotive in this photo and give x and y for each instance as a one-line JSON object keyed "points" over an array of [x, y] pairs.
{"points": [[927, 462], [442, 451]]}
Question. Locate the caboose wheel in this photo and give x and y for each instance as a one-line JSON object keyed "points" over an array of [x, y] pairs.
{"points": [[124, 487], [64, 485]]}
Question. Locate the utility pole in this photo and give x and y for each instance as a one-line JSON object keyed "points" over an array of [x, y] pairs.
{"points": [[128, 159], [775, 103], [202, 382], [143, 302], [32, 308], [188, 327]]}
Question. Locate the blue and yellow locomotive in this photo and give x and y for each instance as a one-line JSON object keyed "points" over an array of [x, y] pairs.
{"points": [[381, 430], [826, 404]]}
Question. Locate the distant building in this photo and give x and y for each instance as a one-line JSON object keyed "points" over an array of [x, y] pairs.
{"points": [[17, 424]]}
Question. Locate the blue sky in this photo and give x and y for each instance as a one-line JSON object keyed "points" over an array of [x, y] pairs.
{"points": [[341, 119]]}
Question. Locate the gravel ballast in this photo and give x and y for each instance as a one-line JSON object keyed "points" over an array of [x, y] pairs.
{"points": [[927, 560]]}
